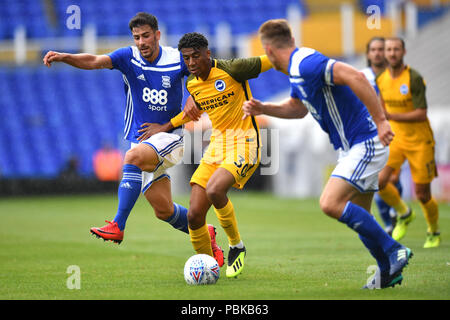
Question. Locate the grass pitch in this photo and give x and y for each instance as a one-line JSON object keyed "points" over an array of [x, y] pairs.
{"points": [[293, 252]]}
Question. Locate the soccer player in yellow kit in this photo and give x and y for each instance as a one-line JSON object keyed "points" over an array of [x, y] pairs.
{"points": [[219, 88], [403, 91]]}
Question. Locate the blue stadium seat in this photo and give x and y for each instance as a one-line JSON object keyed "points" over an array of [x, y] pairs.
{"points": [[91, 104], [112, 16]]}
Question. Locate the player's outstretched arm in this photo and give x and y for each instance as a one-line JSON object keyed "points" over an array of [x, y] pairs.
{"points": [[290, 108], [344, 74], [84, 61]]}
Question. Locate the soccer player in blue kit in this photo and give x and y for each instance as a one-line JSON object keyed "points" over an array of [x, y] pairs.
{"points": [[345, 105], [153, 77]]}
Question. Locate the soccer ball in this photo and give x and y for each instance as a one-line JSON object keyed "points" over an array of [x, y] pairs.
{"points": [[201, 269]]}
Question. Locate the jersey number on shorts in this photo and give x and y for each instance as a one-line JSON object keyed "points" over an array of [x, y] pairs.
{"points": [[243, 168]]}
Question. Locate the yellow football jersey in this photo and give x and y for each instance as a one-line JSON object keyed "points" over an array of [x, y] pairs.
{"points": [[405, 93], [221, 96]]}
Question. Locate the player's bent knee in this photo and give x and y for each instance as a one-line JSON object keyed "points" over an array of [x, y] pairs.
{"points": [[163, 214], [214, 194], [423, 192], [423, 197], [195, 219], [132, 157], [136, 158], [330, 208]]}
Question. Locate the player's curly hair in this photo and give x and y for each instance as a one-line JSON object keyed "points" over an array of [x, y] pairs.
{"points": [[193, 40]]}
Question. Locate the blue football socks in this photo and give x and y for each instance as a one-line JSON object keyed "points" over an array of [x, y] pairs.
{"points": [[383, 209], [378, 253], [129, 190], [361, 221], [178, 219]]}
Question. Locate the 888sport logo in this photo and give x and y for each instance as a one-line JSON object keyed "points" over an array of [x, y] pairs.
{"points": [[157, 99]]}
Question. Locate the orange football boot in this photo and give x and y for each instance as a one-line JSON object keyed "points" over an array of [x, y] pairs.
{"points": [[109, 232], [217, 250]]}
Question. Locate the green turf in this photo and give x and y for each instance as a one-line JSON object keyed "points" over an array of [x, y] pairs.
{"points": [[293, 252]]}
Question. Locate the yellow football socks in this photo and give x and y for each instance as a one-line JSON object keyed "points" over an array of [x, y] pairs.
{"points": [[227, 219], [391, 196], [201, 240], [431, 213]]}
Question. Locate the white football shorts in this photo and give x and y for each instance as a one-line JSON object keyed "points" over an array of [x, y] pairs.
{"points": [[170, 150], [361, 165]]}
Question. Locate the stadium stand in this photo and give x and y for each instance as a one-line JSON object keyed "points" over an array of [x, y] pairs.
{"points": [[48, 115], [179, 17], [63, 111]]}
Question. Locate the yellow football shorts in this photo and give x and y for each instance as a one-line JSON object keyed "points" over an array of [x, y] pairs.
{"points": [[420, 158], [241, 163]]}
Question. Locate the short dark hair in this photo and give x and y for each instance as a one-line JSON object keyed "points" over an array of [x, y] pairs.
{"points": [[193, 40], [397, 39], [143, 18], [277, 32]]}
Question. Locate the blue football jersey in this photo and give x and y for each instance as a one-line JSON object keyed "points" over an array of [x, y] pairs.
{"points": [[337, 109], [154, 90]]}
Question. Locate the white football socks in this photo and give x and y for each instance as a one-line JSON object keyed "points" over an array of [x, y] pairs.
{"points": [[240, 245]]}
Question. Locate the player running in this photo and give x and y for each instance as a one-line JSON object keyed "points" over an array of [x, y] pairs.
{"points": [[219, 88], [153, 77], [341, 99], [403, 92]]}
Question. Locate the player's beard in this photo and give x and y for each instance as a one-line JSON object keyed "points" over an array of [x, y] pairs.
{"points": [[379, 65], [150, 50], [378, 61], [149, 53], [396, 64]]}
